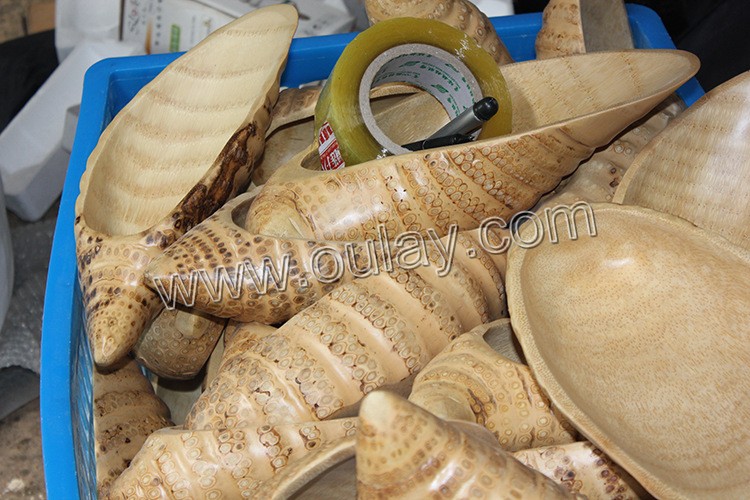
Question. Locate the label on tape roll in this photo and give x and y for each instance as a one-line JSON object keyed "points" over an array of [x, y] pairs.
{"points": [[428, 54]]}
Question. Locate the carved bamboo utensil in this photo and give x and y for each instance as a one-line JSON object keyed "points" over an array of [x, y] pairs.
{"points": [[640, 337], [470, 381], [178, 343], [371, 333], [583, 469], [126, 412], [563, 33], [461, 14], [226, 463], [183, 146], [699, 167], [555, 128], [404, 451], [219, 254]]}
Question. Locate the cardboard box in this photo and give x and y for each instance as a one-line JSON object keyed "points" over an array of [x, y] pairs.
{"points": [[178, 25], [40, 17]]}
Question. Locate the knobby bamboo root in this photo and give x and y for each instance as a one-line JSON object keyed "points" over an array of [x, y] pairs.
{"points": [[562, 30], [406, 452], [184, 145], [126, 411], [461, 14], [370, 333], [178, 343], [470, 381], [583, 469], [596, 179], [226, 463], [556, 128]]}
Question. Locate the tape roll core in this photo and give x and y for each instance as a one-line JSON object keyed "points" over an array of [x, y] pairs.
{"points": [[346, 138], [430, 68]]}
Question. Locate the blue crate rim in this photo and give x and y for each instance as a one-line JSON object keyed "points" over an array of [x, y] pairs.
{"points": [[61, 472]]}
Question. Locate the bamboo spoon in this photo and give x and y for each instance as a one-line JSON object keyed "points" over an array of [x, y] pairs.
{"points": [[555, 128], [184, 145], [461, 14], [699, 167], [405, 452], [640, 338]]}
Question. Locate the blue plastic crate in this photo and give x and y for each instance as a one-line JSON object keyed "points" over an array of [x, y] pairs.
{"points": [[66, 395]]}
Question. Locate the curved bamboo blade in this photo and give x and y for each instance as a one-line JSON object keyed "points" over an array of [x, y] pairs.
{"points": [[226, 463], [699, 167], [404, 452], [178, 343], [596, 179], [583, 469], [562, 30], [221, 267], [183, 146], [470, 381], [370, 333], [555, 128], [126, 411], [640, 338], [461, 14]]}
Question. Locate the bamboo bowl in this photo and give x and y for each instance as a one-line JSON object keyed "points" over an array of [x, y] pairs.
{"points": [[641, 337]]}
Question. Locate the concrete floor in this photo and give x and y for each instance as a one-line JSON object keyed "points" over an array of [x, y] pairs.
{"points": [[21, 474]]}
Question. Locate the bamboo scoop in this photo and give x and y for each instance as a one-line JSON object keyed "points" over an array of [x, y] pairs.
{"points": [[470, 381], [184, 145], [405, 452], [461, 14], [699, 167], [562, 34], [555, 128], [640, 338], [221, 266], [367, 334]]}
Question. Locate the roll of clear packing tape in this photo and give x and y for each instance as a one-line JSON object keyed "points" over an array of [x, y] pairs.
{"points": [[427, 54]]}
